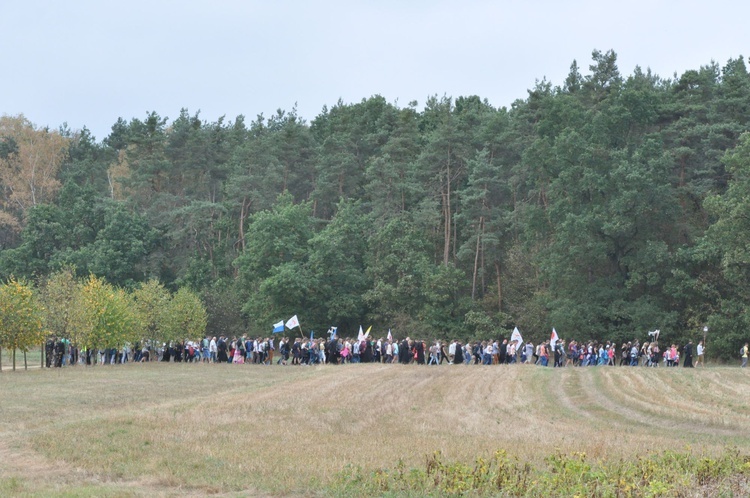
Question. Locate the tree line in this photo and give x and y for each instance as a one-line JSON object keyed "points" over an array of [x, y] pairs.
{"points": [[605, 206], [95, 315]]}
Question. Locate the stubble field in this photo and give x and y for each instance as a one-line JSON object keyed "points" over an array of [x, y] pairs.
{"points": [[237, 430]]}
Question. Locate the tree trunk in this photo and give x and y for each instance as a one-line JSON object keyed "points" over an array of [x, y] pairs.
{"points": [[447, 212], [446, 230], [482, 287], [455, 234], [1, 360], [476, 259], [25, 363], [242, 223], [14, 359], [41, 365], [111, 183], [499, 287]]}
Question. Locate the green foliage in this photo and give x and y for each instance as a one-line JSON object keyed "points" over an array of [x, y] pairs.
{"points": [[398, 264], [120, 248], [64, 314], [728, 237], [151, 302], [667, 473], [273, 267], [224, 301], [20, 316], [607, 206], [337, 267], [184, 317], [109, 315]]}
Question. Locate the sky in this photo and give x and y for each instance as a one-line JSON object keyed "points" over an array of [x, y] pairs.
{"points": [[89, 62]]}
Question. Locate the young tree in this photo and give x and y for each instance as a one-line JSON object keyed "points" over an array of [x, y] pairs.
{"points": [[184, 316], [110, 319], [20, 318], [151, 300], [63, 312]]}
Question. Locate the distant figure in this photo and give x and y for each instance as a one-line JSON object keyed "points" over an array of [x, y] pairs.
{"points": [[59, 353], [458, 356], [49, 351], [701, 350], [688, 355], [419, 346], [404, 352], [744, 355], [221, 350]]}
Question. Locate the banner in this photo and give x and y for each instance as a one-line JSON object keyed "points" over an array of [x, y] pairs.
{"points": [[278, 327], [292, 322], [516, 337]]}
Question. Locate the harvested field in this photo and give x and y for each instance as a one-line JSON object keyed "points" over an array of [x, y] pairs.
{"points": [[236, 430]]}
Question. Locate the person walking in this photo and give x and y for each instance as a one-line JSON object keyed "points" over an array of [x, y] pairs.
{"points": [[700, 351], [688, 350], [744, 355]]}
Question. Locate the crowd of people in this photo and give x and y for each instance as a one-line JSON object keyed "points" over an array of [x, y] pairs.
{"points": [[340, 351]]}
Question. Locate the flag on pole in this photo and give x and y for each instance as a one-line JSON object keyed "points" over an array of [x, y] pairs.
{"points": [[311, 334], [278, 327], [332, 332], [553, 338], [292, 322], [368, 331], [390, 337], [516, 336], [361, 335]]}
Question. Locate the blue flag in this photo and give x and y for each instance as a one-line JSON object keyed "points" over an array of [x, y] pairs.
{"points": [[278, 327], [311, 334]]}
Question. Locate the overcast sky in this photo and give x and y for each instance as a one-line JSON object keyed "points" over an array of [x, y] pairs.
{"points": [[88, 62]]}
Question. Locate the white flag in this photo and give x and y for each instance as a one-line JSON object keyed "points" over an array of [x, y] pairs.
{"points": [[553, 338], [516, 337], [361, 335], [390, 337], [292, 322]]}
